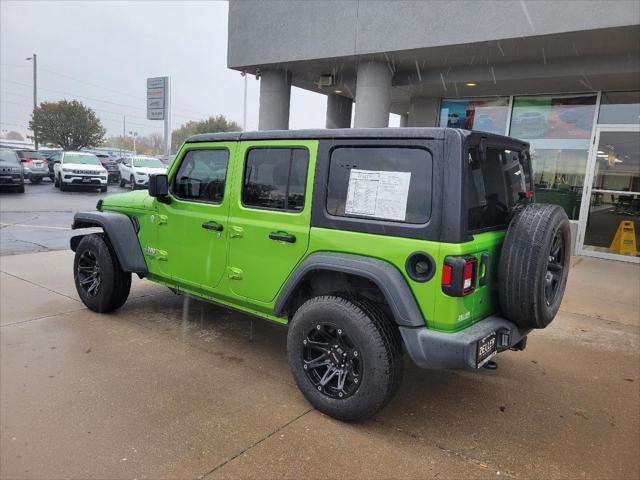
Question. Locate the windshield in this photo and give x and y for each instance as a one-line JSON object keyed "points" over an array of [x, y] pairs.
{"points": [[7, 155], [147, 162], [83, 158]]}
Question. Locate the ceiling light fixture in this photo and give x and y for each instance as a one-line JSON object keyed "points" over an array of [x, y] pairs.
{"points": [[337, 91], [471, 84]]}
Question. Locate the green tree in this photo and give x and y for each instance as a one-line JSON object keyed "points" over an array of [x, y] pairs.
{"points": [[67, 124], [211, 125]]}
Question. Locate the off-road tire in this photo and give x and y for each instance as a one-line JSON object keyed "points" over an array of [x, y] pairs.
{"points": [[525, 263], [376, 337], [114, 283]]}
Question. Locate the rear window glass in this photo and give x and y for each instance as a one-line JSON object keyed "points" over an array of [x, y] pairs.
{"points": [[386, 183], [8, 156], [494, 185], [34, 155]]}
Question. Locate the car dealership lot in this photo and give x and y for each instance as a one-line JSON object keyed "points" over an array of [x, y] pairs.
{"points": [[171, 387]]}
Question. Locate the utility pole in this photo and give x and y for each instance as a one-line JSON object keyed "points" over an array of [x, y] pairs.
{"points": [[35, 96]]}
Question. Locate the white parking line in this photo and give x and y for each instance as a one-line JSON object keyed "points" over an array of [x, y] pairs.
{"points": [[33, 226]]}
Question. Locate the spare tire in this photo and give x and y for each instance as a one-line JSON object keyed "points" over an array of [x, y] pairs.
{"points": [[534, 265]]}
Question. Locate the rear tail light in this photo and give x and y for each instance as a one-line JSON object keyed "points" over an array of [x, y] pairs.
{"points": [[27, 159], [459, 275]]}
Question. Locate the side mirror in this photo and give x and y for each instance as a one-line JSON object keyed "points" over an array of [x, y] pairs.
{"points": [[159, 187]]}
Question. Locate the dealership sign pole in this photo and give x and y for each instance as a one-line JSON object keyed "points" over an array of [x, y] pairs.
{"points": [[159, 107]]}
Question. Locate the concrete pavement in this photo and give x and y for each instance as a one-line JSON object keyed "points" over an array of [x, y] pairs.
{"points": [[170, 387]]}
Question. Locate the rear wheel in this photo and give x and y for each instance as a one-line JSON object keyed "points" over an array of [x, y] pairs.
{"points": [[100, 282], [345, 356], [534, 265]]}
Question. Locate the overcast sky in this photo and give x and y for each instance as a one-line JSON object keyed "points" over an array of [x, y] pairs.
{"points": [[102, 52]]}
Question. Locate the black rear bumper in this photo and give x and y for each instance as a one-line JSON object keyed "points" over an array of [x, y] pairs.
{"points": [[438, 350]]}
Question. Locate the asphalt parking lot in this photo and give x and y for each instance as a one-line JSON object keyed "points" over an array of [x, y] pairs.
{"points": [[40, 219], [171, 387]]}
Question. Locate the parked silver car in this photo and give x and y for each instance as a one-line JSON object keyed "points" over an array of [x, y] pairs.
{"points": [[11, 173]]}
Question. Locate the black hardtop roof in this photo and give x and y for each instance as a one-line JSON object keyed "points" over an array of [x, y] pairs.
{"points": [[437, 133]]}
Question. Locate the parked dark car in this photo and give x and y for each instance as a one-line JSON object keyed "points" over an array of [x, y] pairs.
{"points": [[34, 164], [112, 167], [11, 173], [51, 155]]}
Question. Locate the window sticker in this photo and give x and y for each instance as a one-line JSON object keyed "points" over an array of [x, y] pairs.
{"points": [[379, 194]]}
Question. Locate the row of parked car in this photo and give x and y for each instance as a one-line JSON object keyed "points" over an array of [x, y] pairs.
{"points": [[75, 169]]}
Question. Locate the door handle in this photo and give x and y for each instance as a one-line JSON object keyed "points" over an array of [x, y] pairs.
{"points": [[283, 236], [212, 226]]}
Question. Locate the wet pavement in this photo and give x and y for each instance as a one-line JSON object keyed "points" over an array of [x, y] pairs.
{"points": [[40, 219], [171, 387]]}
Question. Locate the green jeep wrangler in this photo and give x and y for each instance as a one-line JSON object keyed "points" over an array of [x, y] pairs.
{"points": [[367, 243]]}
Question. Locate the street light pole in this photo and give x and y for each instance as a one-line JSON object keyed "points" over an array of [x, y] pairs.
{"points": [[244, 114], [35, 96]]}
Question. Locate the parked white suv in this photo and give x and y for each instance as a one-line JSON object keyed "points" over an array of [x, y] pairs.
{"points": [[136, 170], [79, 169]]}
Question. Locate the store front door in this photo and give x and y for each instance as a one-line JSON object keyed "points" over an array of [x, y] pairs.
{"points": [[609, 225]]}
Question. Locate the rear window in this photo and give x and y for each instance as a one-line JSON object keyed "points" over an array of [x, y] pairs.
{"points": [[494, 185], [385, 183], [34, 155], [8, 156]]}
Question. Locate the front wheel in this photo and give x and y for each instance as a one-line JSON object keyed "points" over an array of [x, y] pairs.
{"points": [[63, 186], [345, 356], [103, 189], [100, 282], [56, 182], [132, 182]]}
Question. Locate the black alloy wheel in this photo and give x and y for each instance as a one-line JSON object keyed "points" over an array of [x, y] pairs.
{"points": [[331, 361], [555, 267], [89, 275]]}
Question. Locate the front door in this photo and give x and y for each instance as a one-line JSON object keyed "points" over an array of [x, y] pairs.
{"points": [[610, 215], [270, 216], [191, 228]]}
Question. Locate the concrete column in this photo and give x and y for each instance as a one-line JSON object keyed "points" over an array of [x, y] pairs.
{"points": [[338, 111], [373, 95], [275, 98], [404, 120], [424, 111]]}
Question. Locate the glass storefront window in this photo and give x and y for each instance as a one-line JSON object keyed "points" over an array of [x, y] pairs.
{"points": [[559, 131], [619, 108], [487, 115]]}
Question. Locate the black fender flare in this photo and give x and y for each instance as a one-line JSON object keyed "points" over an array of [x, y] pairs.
{"points": [[387, 277], [121, 234]]}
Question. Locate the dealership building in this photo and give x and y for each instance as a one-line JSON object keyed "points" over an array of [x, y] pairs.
{"points": [[562, 75]]}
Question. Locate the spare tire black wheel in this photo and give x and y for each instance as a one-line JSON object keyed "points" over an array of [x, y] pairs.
{"points": [[534, 265]]}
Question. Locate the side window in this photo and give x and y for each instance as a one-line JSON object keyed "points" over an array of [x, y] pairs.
{"points": [[275, 178], [202, 175], [494, 184], [386, 183]]}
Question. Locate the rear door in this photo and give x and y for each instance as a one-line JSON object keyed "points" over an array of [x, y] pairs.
{"points": [[270, 215]]}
